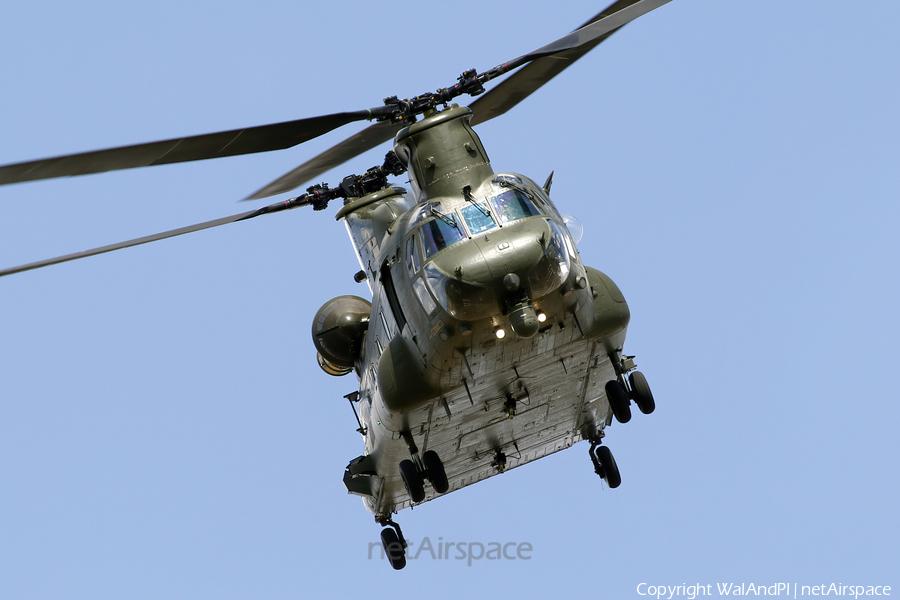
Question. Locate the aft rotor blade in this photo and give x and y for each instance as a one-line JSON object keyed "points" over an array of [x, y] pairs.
{"points": [[370, 137], [263, 138], [292, 203], [532, 76]]}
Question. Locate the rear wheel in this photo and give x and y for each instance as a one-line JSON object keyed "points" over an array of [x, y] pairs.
{"points": [[610, 469], [640, 392], [618, 401], [412, 479], [393, 548]]}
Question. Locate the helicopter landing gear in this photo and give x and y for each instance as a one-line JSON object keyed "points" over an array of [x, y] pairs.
{"points": [[618, 400], [640, 392], [605, 465], [415, 471], [434, 471], [413, 480], [393, 542], [620, 391]]}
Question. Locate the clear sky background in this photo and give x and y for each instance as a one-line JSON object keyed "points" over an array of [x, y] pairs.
{"points": [[165, 431]]}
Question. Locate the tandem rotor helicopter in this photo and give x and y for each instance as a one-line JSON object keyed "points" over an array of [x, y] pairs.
{"points": [[487, 343]]}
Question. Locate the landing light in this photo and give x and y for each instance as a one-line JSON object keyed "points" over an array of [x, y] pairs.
{"points": [[500, 333]]}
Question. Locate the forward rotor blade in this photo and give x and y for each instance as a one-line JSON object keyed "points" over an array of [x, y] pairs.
{"points": [[365, 140], [532, 76], [199, 147], [588, 33], [545, 64], [293, 203]]}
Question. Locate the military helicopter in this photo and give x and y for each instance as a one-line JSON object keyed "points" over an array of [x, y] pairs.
{"points": [[487, 342]]}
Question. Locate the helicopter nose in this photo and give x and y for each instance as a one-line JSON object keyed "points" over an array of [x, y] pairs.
{"points": [[488, 258], [512, 250], [510, 260], [501, 272]]}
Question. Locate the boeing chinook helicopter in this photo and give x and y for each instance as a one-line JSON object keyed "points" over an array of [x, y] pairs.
{"points": [[487, 343]]}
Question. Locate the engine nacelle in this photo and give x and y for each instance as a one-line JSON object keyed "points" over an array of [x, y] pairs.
{"points": [[338, 331]]}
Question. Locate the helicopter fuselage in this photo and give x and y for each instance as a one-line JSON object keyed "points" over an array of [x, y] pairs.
{"points": [[487, 340]]}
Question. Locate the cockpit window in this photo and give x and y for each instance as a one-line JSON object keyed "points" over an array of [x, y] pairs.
{"points": [[438, 233], [412, 256], [478, 218], [426, 211], [513, 205], [419, 214]]}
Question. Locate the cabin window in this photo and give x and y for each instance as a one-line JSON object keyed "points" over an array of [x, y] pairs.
{"points": [[390, 293], [478, 218], [439, 233], [387, 332], [513, 205]]}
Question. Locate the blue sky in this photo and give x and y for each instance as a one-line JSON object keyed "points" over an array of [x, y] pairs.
{"points": [[165, 431]]}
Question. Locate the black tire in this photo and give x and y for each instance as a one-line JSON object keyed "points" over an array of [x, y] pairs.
{"points": [[393, 548], [610, 469], [598, 468], [412, 479], [640, 392], [618, 401], [434, 469]]}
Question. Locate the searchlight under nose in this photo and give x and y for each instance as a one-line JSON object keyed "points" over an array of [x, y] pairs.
{"points": [[522, 316]]}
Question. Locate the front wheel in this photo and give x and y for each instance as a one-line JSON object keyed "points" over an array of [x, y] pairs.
{"points": [[640, 392], [412, 479], [434, 469], [618, 401]]}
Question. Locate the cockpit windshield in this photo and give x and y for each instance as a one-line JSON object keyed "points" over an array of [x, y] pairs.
{"points": [[478, 218], [439, 233], [441, 229], [513, 205]]}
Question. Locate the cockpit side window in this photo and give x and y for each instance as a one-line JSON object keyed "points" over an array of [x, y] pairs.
{"points": [[423, 213], [437, 234], [412, 256], [513, 205], [420, 214], [478, 218], [542, 200]]}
